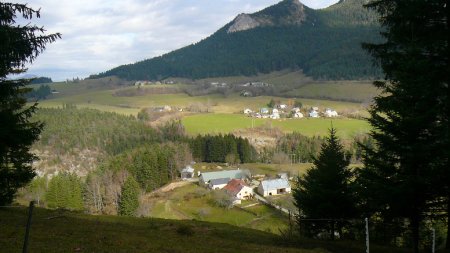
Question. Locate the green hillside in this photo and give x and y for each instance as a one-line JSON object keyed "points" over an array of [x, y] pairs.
{"points": [[61, 231], [325, 44]]}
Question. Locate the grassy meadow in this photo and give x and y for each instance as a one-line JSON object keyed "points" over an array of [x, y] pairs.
{"points": [[215, 123]]}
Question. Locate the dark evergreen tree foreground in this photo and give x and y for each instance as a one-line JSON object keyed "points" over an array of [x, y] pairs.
{"points": [[407, 173], [324, 196], [19, 45]]}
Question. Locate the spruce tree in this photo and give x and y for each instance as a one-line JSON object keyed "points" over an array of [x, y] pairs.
{"points": [[408, 169], [129, 199], [324, 193], [19, 45]]}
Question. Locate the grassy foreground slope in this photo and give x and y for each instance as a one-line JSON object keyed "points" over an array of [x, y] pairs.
{"points": [[56, 231]]}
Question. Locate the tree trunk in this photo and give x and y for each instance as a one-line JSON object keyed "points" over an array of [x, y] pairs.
{"points": [[415, 222], [447, 245], [332, 230]]}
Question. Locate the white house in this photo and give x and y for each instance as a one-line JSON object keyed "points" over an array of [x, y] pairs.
{"points": [[275, 116], [295, 109], [313, 114], [238, 189], [330, 113], [248, 111], [282, 106], [217, 184], [264, 111], [274, 187], [187, 172], [298, 115], [275, 111]]}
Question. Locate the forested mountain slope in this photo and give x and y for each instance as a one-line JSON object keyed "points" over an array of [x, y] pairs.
{"points": [[325, 44]]}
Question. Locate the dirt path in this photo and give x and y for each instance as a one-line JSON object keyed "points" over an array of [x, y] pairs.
{"points": [[169, 187]]}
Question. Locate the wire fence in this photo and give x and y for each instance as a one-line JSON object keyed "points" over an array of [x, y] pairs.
{"points": [[395, 233]]}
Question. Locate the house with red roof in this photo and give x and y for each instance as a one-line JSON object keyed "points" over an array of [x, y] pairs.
{"points": [[238, 189]]}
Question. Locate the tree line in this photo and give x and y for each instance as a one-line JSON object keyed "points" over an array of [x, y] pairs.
{"points": [[222, 148]]}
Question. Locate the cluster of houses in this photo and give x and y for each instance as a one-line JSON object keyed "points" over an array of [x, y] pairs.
{"points": [[282, 111], [236, 183], [144, 83]]}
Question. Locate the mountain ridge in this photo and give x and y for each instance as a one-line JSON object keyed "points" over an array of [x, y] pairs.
{"points": [[324, 43]]}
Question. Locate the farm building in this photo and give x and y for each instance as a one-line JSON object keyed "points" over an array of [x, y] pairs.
{"points": [[274, 187], [187, 173], [237, 188], [219, 183], [206, 177], [330, 113]]}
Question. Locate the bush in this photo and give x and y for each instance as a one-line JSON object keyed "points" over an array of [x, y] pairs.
{"points": [[185, 229], [221, 199]]}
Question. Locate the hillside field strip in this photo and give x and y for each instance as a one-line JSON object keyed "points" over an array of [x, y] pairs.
{"points": [[214, 123]]}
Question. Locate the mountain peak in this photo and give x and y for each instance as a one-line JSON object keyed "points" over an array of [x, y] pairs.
{"points": [[286, 12]]}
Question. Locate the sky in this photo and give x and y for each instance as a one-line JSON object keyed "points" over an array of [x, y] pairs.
{"points": [[100, 35]]}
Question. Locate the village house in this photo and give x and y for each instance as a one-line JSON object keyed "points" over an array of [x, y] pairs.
{"points": [[295, 109], [274, 187], [298, 115], [187, 173], [142, 83], [246, 93], [206, 177], [264, 111], [248, 111], [282, 106], [330, 113], [238, 189], [313, 113]]}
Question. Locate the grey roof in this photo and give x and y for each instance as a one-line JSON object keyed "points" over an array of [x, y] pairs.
{"points": [[274, 184], [232, 174], [219, 181], [188, 169]]}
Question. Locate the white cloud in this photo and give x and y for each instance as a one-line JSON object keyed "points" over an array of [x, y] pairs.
{"points": [[99, 35]]}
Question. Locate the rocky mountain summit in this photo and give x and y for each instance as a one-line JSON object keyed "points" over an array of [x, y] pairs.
{"points": [[287, 12]]}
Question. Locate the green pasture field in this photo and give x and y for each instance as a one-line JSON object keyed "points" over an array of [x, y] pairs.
{"points": [[213, 123], [358, 91]]}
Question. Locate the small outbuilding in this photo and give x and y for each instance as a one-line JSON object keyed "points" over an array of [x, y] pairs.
{"points": [[187, 173]]}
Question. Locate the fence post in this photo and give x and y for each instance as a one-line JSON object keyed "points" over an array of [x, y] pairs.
{"points": [[367, 235], [433, 246], [27, 231]]}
